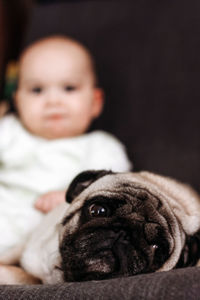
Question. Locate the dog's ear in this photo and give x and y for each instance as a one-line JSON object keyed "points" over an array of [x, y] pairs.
{"points": [[191, 252], [82, 181]]}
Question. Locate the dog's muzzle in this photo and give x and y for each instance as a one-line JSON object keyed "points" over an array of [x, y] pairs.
{"points": [[115, 239]]}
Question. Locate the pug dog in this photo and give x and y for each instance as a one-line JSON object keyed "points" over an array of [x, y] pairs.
{"points": [[113, 225]]}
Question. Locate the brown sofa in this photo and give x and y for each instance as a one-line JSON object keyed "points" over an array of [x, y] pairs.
{"points": [[148, 61]]}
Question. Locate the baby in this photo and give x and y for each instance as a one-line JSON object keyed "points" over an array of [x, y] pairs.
{"points": [[45, 144]]}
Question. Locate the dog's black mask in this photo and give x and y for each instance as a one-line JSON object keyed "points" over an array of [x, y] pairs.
{"points": [[118, 234]]}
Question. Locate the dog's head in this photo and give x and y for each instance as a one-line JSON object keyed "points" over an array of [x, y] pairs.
{"points": [[122, 224]]}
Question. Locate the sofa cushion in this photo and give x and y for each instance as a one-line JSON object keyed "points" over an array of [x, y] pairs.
{"points": [[177, 284]]}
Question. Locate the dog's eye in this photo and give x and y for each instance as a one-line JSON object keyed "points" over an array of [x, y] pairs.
{"points": [[98, 210]]}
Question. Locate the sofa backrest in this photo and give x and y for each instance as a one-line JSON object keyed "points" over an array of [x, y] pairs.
{"points": [[148, 60]]}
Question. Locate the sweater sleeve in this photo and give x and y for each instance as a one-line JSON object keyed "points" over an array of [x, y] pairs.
{"points": [[8, 125], [106, 152], [4, 134]]}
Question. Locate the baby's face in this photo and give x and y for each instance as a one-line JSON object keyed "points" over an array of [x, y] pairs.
{"points": [[56, 95]]}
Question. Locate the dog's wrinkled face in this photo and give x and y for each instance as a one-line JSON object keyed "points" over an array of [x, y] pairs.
{"points": [[115, 227]]}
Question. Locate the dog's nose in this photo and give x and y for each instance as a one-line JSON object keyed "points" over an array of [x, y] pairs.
{"points": [[120, 246], [122, 237]]}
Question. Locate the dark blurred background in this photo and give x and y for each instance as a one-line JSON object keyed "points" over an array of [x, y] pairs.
{"points": [[148, 60]]}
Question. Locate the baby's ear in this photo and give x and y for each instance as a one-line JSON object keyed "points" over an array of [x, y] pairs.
{"points": [[82, 181], [98, 101]]}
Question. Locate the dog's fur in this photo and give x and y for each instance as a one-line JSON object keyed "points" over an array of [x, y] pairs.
{"points": [[113, 224]]}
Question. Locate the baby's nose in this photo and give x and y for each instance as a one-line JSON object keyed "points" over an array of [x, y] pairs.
{"points": [[53, 96]]}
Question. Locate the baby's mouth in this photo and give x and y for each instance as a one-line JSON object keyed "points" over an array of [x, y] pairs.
{"points": [[56, 116]]}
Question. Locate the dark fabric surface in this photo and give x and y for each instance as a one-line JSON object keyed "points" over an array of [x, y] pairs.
{"points": [[148, 60], [182, 284]]}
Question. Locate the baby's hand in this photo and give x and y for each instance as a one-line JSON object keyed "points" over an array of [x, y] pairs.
{"points": [[48, 201]]}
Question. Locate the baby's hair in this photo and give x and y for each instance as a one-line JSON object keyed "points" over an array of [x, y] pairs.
{"points": [[65, 39], [12, 83]]}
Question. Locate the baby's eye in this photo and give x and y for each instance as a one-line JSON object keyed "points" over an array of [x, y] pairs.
{"points": [[36, 90], [70, 88]]}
